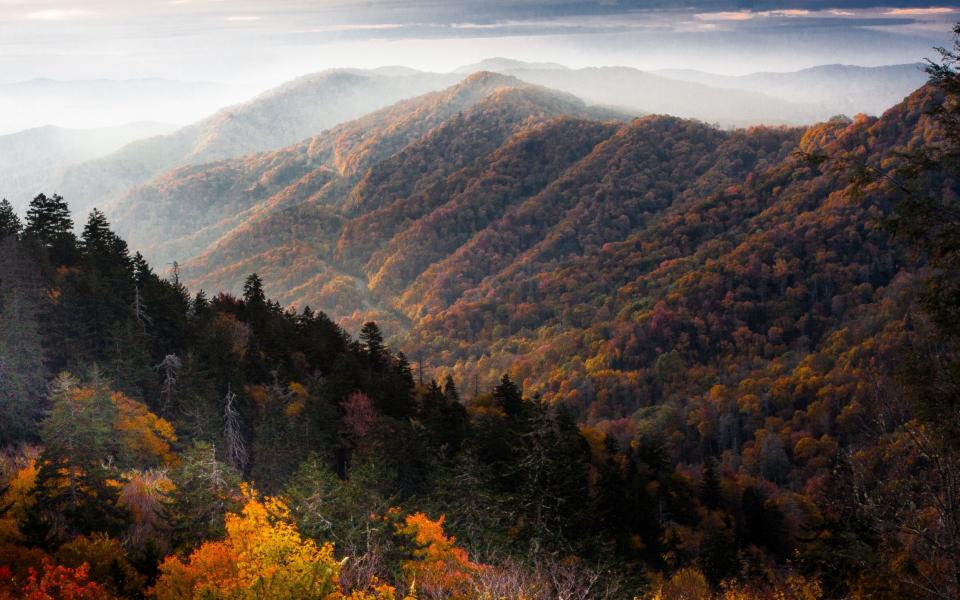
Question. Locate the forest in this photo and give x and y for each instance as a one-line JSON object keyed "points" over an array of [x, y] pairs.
{"points": [[747, 383]]}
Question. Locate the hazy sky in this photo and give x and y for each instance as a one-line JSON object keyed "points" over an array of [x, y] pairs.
{"points": [[264, 42]]}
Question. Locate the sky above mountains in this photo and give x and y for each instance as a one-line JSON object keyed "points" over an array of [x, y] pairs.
{"points": [[264, 42]]}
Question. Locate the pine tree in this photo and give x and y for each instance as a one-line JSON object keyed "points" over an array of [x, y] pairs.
{"points": [[373, 346], [75, 474], [50, 225], [450, 391], [10, 225], [102, 248], [21, 369], [253, 294], [555, 471], [508, 396]]}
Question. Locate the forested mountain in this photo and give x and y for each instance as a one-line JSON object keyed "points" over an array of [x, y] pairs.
{"points": [[285, 210], [307, 106], [30, 158], [491, 234], [274, 119]]}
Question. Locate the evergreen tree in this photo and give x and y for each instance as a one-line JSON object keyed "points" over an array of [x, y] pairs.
{"points": [[10, 225], [555, 493], [103, 249], [205, 490], [74, 482], [49, 224], [253, 294], [450, 391], [508, 396], [373, 345], [21, 369]]}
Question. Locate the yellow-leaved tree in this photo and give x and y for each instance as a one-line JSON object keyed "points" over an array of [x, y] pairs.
{"points": [[263, 556]]}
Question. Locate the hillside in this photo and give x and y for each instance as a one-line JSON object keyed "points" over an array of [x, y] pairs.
{"points": [[221, 216], [274, 119]]}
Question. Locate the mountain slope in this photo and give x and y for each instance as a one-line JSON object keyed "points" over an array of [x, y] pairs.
{"points": [[226, 213], [274, 119]]}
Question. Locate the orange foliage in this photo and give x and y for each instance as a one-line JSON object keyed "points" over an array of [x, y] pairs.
{"points": [[263, 556], [144, 434], [438, 566]]}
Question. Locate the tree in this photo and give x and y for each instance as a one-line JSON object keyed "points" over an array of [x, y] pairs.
{"points": [[205, 490], [56, 582], [49, 224], [103, 249], [438, 566], [253, 294], [10, 225], [91, 434], [508, 396], [262, 556], [233, 433], [372, 341], [79, 440]]}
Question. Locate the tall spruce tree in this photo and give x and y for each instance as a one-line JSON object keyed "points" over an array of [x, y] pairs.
{"points": [[49, 225], [10, 225]]}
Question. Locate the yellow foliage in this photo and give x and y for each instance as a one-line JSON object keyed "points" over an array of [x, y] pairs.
{"points": [[142, 432], [18, 499], [262, 557]]}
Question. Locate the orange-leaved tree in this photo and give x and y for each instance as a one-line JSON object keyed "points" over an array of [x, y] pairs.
{"points": [[438, 568], [263, 556]]}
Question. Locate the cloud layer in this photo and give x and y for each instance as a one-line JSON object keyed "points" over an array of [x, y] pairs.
{"points": [[265, 41]]}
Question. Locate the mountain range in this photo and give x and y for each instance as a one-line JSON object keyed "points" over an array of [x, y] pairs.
{"points": [[502, 226], [306, 106]]}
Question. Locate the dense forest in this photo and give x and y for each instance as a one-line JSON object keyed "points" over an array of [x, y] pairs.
{"points": [[745, 373]]}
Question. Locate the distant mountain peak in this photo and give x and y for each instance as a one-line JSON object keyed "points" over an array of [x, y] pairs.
{"points": [[500, 64]]}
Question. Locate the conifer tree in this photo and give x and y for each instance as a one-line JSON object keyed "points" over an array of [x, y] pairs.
{"points": [[508, 396], [10, 225], [49, 224], [372, 341], [79, 441]]}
